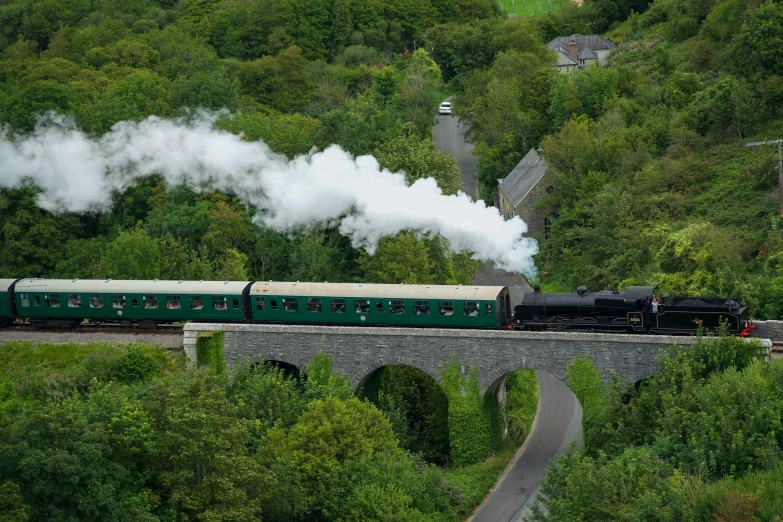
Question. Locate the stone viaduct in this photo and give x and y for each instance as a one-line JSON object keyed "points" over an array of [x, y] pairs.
{"points": [[356, 352]]}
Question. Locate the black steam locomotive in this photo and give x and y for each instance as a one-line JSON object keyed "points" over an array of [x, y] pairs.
{"points": [[635, 310]]}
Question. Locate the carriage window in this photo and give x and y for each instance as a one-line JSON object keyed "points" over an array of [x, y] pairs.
{"points": [[362, 306], [118, 301], [74, 301], [236, 303], [37, 299], [219, 303], [151, 302], [313, 305], [134, 302], [25, 300], [172, 302], [337, 306], [53, 300], [421, 307], [446, 308], [273, 304], [96, 301], [489, 309], [379, 307], [471, 308], [290, 304], [260, 304], [196, 302], [397, 307]]}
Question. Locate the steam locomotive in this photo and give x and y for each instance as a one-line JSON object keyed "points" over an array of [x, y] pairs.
{"points": [[635, 310]]}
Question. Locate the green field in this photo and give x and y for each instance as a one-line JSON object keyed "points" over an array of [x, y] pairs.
{"points": [[528, 7]]}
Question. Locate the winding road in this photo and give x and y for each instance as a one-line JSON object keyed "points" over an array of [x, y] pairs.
{"points": [[559, 417]]}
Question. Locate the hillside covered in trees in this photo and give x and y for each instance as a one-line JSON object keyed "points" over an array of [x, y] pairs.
{"points": [[655, 183], [295, 74]]}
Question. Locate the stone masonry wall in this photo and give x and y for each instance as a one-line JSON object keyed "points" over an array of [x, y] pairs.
{"points": [[358, 351], [526, 208]]}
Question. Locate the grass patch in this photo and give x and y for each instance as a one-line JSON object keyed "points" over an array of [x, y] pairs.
{"points": [[522, 403], [528, 7], [36, 371], [475, 480]]}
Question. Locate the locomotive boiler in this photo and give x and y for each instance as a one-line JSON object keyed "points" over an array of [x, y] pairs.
{"points": [[635, 310]]}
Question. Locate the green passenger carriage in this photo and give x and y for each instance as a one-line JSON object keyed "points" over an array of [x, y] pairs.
{"points": [[67, 302], [376, 304], [6, 301]]}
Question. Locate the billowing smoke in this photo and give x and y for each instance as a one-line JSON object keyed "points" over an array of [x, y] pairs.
{"points": [[77, 173]]}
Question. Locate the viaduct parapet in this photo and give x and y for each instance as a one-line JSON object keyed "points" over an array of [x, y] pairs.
{"points": [[356, 352]]}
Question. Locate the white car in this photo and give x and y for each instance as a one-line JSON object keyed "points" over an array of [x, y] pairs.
{"points": [[445, 108]]}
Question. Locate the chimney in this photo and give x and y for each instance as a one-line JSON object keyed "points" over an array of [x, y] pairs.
{"points": [[572, 47]]}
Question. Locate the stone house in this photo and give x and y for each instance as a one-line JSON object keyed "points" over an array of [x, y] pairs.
{"points": [[580, 50], [517, 193]]}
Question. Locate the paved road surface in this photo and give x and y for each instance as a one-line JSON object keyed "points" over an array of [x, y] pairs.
{"points": [[487, 274], [558, 422], [559, 416], [448, 135]]}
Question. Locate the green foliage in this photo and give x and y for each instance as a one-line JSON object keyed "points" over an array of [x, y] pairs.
{"points": [[209, 352], [632, 486], [202, 469], [521, 403], [390, 487], [751, 52], [676, 446], [11, 507], [138, 365], [473, 482], [417, 407], [418, 159], [586, 383], [470, 426], [278, 81], [82, 458], [133, 255]]}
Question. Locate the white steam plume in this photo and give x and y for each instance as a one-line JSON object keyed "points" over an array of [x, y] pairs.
{"points": [[77, 173]]}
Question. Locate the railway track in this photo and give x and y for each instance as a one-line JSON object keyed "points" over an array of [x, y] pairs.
{"points": [[99, 328], [169, 336]]}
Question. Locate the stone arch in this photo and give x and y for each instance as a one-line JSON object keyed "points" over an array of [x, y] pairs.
{"points": [[490, 381], [287, 367], [359, 373]]}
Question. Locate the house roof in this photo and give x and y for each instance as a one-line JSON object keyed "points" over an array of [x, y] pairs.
{"points": [[564, 59], [524, 177], [587, 54], [595, 42]]}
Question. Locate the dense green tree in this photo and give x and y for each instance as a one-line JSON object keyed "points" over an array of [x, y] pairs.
{"points": [[32, 239], [37, 98], [81, 258], [751, 53], [142, 93], [132, 255], [313, 258], [291, 135], [418, 159], [278, 81], [183, 220], [83, 458], [203, 469], [400, 259]]}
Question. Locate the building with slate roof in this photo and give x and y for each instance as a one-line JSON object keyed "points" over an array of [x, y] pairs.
{"points": [[580, 50], [517, 193]]}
